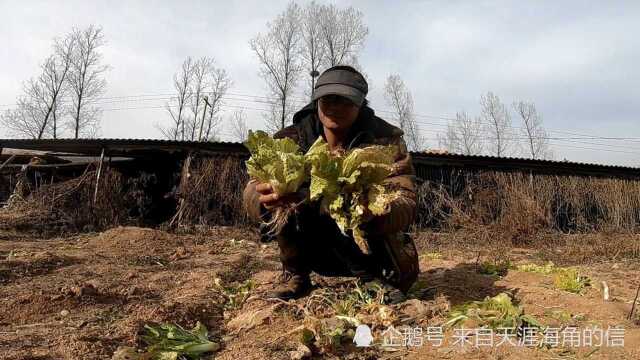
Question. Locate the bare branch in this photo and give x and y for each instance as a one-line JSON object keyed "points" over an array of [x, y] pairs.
{"points": [[313, 48], [277, 52], [498, 122], [85, 80], [23, 121], [343, 32], [400, 99], [39, 107], [532, 129], [218, 84], [464, 135], [238, 126], [201, 69], [201, 88], [176, 105]]}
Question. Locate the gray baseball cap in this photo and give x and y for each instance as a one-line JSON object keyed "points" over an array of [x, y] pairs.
{"points": [[340, 81]]}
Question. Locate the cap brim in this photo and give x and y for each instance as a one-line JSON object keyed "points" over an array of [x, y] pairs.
{"points": [[353, 94]]}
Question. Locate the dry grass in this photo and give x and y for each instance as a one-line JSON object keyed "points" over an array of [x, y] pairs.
{"points": [[489, 210], [571, 220], [524, 205], [212, 195]]}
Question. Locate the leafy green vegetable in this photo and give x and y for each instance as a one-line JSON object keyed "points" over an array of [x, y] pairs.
{"points": [[496, 268], [495, 312], [169, 341], [235, 295], [279, 162], [568, 279], [349, 185]]}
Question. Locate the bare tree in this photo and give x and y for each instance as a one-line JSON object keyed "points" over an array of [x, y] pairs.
{"points": [[53, 83], [498, 122], [194, 112], [464, 135], [400, 99], [176, 106], [201, 69], [313, 47], [277, 52], [85, 80], [25, 120], [238, 126], [218, 85], [37, 111], [536, 136], [343, 32]]}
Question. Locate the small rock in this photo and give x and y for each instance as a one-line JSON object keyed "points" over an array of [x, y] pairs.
{"points": [[302, 352], [64, 313]]}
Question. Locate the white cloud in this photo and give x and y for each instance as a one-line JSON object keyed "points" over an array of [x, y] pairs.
{"points": [[577, 60]]}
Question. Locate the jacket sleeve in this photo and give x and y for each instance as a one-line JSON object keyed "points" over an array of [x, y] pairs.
{"points": [[403, 209]]}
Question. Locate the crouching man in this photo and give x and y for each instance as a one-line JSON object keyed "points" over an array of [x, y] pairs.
{"points": [[311, 241]]}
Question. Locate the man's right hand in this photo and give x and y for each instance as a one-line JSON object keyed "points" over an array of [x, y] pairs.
{"points": [[269, 199]]}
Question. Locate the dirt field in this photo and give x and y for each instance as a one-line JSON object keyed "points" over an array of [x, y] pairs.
{"points": [[82, 297]]}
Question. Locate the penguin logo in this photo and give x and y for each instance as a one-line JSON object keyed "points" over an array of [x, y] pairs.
{"points": [[363, 337]]}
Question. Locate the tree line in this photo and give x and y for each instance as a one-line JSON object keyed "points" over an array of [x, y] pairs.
{"points": [[59, 101], [492, 131], [296, 46]]}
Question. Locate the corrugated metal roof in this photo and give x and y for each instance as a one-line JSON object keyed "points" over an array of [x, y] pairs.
{"points": [[507, 158], [119, 147], [522, 164]]}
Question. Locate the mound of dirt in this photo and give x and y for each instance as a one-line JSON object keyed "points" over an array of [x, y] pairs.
{"points": [[130, 240]]}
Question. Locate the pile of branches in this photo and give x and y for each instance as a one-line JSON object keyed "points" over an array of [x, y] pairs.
{"points": [[70, 205]]}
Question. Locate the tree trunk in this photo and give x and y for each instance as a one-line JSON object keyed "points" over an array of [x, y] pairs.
{"points": [[284, 104]]}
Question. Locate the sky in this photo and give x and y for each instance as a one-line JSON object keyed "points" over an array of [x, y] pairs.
{"points": [[576, 60]]}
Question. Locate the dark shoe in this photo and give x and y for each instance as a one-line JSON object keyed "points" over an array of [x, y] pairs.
{"points": [[295, 287]]}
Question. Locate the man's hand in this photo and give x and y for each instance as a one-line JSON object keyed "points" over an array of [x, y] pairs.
{"points": [[269, 199]]}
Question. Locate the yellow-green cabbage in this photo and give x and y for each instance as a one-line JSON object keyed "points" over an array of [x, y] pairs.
{"points": [[279, 162], [348, 184]]}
